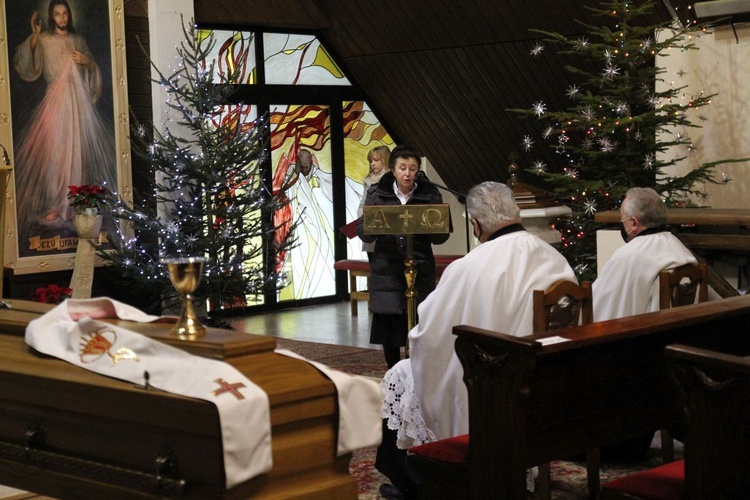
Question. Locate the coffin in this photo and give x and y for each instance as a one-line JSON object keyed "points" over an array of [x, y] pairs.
{"points": [[70, 433]]}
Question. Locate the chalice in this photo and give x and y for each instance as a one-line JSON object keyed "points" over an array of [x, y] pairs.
{"points": [[185, 274]]}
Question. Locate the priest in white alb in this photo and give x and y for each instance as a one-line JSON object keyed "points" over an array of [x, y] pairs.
{"points": [[491, 287], [628, 284]]}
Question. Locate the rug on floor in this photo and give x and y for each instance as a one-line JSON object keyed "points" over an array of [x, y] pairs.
{"points": [[354, 360]]}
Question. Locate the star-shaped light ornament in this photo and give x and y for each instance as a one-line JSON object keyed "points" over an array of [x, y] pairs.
{"points": [[527, 143], [537, 49], [539, 108], [571, 172], [606, 145], [588, 114], [648, 161], [589, 206], [646, 44], [581, 268], [622, 108], [587, 144], [704, 195], [573, 92], [582, 43], [608, 56], [610, 72], [548, 132], [681, 72], [539, 166], [191, 240], [173, 227]]}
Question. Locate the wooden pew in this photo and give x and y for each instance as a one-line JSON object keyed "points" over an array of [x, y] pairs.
{"points": [[714, 401], [531, 403]]}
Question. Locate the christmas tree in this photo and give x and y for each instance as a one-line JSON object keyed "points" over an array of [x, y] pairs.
{"points": [[624, 126], [211, 195]]}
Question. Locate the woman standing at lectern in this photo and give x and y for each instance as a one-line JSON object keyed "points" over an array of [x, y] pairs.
{"points": [[399, 186]]}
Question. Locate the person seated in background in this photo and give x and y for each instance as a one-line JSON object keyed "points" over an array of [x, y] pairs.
{"points": [[425, 398], [628, 284]]}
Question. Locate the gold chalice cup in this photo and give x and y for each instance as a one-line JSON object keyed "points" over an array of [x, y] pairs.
{"points": [[185, 274]]}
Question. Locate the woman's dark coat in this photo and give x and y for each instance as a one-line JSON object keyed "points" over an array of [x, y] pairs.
{"points": [[387, 281]]}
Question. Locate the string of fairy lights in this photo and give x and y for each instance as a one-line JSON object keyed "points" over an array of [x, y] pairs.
{"points": [[209, 198], [625, 121]]}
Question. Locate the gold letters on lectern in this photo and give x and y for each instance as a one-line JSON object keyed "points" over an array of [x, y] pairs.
{"points": [[406, 219]]}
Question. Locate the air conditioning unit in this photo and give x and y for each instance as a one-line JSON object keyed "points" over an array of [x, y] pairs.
{"points": [[732, 10]]}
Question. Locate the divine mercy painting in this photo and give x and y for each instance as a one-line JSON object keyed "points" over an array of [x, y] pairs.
{"points": [[62, 112]]}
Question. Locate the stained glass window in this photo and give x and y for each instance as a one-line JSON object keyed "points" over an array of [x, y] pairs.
{"points": [[306, 152], [299, 60], [230, 50]]}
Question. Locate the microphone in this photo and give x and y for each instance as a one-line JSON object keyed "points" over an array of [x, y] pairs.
{"points": [[422, 177]]}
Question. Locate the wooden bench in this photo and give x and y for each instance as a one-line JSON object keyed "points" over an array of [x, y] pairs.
{"points": [[714, 399], [531, 403], [361, 268], [713, 391], [356, 269]]}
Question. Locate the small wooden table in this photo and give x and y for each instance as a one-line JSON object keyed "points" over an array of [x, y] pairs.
{"points": [[361, 268], [357, 269]]}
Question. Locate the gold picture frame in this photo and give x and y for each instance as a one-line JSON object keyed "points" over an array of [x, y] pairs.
{"points": [[33, 242]]}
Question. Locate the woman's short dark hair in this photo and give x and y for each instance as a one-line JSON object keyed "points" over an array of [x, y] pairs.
{"points": [[404, 152]]}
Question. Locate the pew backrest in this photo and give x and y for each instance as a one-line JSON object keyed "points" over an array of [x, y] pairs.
{"points": [[531, 403]]}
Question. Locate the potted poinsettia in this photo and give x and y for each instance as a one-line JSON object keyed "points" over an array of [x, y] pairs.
{"points": [[87, 199], [51, 294], [88, 202]]}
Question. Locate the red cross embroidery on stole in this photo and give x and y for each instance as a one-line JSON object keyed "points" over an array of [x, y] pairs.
{"points": [[226, 387]]}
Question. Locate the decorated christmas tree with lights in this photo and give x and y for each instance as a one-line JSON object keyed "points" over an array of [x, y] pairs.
{"points": [[211, 194], [624, 125]]}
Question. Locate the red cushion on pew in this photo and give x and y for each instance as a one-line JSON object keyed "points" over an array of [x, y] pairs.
{"points": [[453, 450], [664, 482], [352, 265]]}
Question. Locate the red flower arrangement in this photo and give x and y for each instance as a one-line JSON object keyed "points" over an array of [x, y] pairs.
{"points": [[87, 198], [51, 294]]}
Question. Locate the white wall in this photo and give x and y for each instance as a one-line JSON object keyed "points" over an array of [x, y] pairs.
{"points": [[456, 244], [721, 65]]}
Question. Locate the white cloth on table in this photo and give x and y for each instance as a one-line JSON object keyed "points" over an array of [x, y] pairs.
{"points": [[71, 332], [359, 399], [628, 284]]}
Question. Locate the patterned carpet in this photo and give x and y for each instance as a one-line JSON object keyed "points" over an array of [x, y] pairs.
{"points": [[568, 478]]}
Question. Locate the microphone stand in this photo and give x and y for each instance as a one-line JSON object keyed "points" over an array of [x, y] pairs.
{"points": [[461, 199]]}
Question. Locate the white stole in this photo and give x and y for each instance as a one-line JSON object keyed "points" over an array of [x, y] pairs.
{"points": [[71, 333]]}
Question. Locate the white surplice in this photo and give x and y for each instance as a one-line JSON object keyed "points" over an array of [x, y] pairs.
{"points": [[489, 288], [628, 284]]}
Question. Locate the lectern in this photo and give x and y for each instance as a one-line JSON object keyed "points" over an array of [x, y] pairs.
{"points": [[407, 220]]}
